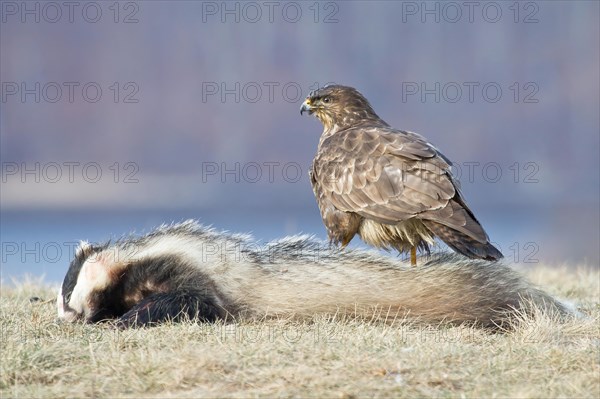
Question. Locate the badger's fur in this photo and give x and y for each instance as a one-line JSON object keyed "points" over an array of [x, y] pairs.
{"points": [[193, 271]]}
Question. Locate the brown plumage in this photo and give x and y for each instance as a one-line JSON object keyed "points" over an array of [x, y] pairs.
{"points": [[391, 187]]}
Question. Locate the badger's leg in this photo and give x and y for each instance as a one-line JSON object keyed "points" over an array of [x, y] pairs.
{"points": [[174, 306]]}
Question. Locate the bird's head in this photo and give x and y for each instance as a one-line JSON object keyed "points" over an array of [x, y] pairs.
{"points": [[338, 106]]}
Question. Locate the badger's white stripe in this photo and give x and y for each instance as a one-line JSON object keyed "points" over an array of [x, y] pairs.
{"points": [[83, 246], [59, 304], [94, 275]]}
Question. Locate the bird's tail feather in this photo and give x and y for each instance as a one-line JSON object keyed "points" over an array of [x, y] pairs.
{"points": [[462, 243]]}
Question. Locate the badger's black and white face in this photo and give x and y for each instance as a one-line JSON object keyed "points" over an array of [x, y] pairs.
{"points": [[154, 278], [83, 293]]}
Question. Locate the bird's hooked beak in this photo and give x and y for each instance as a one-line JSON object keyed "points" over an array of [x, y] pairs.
{"points": [[306, 107]]}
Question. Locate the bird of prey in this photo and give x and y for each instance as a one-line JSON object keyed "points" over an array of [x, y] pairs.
{"points": [[391, 187]]}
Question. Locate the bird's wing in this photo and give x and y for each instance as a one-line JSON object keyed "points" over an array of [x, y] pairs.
{"points": [[389, 176]]}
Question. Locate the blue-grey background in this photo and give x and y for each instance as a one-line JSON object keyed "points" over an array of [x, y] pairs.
{"points": [[198, 115]]}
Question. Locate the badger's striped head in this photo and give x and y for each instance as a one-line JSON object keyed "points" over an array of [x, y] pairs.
{"points": [[91, 274]]}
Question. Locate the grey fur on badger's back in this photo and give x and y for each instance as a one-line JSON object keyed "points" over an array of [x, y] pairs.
{"points": [[188, 270]]}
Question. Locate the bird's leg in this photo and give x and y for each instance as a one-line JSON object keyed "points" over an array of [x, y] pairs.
{"points": [[413, 256]]}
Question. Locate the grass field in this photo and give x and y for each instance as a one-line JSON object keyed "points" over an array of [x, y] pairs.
{"points": [[326, 357]]}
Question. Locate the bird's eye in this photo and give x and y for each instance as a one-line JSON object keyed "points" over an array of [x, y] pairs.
{"points": [[326, 100]]}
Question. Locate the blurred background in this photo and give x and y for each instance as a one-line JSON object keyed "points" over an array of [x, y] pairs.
{"points": [[119, 116]]}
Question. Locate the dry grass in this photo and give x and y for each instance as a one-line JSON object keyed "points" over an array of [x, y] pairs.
{"points": [[327, 357]]}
